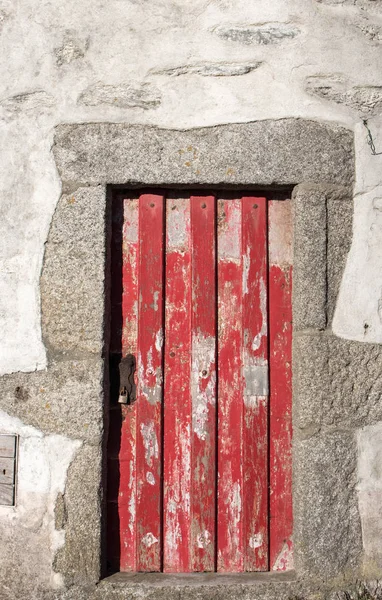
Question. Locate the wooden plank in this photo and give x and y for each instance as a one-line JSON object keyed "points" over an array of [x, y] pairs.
{"points": [[8, 446], [203, 460], [121, 530], [149, 385], [7, 494], [255, 370], [280, 344], [230, 389], [177, 392], [7, 470], [127, 452]]}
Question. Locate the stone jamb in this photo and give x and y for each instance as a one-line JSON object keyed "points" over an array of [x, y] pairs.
{"points": [[315, 159]]}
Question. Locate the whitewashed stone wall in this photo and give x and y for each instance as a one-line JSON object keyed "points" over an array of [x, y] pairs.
{"points": [[179, 64]]}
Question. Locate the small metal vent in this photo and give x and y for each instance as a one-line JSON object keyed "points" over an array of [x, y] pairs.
{"points": [[8, 452]]}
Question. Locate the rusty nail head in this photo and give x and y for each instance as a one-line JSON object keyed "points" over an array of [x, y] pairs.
{"points": [[255, 206], [152, 204], [204, 373], [172, 354], [204, 205]]}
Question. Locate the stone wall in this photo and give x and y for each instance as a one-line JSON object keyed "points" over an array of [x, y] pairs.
{"points": [[300, 77]]}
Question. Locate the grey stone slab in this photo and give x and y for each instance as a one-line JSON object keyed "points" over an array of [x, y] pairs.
{"points": [[211, 69], [337, 383], [72, 281], [192, 586], [264, 34], [66, 399], [327, 528], [309, 260], [366, 100], [79, 560], [276, 152], [310, 381], [322, 239], [144, 96], [339, 205]]}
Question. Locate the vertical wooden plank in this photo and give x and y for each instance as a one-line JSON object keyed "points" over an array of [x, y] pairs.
{"points": [[280, 350], [149, 385], [177, 389], [122, 427], [255, 371], [230, 388], [203, 386], [127, 458]]}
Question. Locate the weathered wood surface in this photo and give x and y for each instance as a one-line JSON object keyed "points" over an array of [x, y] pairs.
{"points": [[203, 390], [204, 479], [280, 348], [177, 389], [150, 383]]}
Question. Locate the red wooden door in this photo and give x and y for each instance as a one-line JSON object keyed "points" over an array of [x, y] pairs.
{"points": [[200, 457]]}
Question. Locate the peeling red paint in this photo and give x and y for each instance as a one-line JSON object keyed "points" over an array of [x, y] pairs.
{"points": [[177, 416], [280, 334], [203, 455], [199, 301], [149, 384]]}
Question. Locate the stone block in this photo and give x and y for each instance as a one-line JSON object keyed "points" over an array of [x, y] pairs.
{"points": [[37, 101], [66, 399], [275, 152], [144, 96], [72, 282], [310, 381], [327, 528], [199, 586], [79, 561], [264, 34], [337, 383], [72, 48], [365, 100], [310, 254], [339, 205], [211, 69]]}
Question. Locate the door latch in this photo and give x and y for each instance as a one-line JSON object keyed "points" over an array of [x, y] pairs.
{"points": [[127, 387]]}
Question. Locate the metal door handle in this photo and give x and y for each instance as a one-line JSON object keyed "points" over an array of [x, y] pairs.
{"points": [[127, 387]]}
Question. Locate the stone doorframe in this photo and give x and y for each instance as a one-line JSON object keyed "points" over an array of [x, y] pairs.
{"points": [[317, 161]]}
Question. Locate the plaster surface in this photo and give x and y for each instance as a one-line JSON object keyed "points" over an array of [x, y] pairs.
{"points": [[28, 530]]}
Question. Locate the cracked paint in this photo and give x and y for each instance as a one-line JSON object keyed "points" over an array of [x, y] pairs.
{"points": [[203, 396], [150, 442]]}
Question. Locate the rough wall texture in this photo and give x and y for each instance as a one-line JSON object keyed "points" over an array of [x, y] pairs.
{"points": [[309, 70]]}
